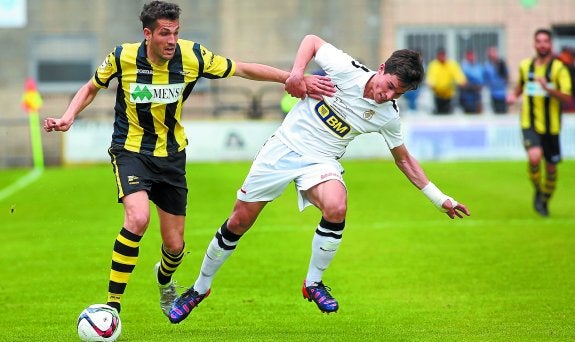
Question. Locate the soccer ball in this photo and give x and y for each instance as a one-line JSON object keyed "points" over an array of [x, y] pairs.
{"points": [[99, 322]]}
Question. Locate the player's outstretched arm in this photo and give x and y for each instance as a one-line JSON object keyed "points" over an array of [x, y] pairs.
{"points": [[315, 86], [83, 98], [413, 171]]}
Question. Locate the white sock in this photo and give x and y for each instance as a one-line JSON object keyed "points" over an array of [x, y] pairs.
{"points": [[219, 249], [323, 250]]}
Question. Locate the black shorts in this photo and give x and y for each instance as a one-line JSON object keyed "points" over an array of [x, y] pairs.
{"points": [[548, 142], [163, 178]]}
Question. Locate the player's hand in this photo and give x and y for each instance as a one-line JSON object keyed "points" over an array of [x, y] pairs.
{"points": [[295, 85], [511, 99], [543, 83], [52, 124], [454, 210], [318, 86]]}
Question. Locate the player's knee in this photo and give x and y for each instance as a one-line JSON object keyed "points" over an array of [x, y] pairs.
{"points": [[173, 247], [535, 160], [535, 155], [335, 212], [137, 222]]}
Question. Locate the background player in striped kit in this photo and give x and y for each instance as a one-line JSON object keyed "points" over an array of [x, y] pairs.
{"points": [[545, 83]]}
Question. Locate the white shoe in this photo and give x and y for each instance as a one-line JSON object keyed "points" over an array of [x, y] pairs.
{"points": [[168, 293]]}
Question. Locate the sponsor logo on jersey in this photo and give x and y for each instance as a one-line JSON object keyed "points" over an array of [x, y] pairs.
{"points": [[330, 175], [145, 71], [211, 62], [332, 121], [156, 93], [105, 64]]}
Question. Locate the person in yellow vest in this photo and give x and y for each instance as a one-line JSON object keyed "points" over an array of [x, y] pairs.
{"points": [[544, 83], [443, 77]]}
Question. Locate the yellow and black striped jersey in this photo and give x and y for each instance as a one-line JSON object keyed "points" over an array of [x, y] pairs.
{"points": [[149, 98], [541, 111]]}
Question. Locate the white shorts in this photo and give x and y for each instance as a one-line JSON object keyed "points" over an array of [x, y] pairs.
{"points": [[276, 165]]}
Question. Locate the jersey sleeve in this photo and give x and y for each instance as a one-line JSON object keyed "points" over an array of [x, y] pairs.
{"points": [[392, 134], [331, 59], [106, 71], [338, 65], [564, 80], [216, 66]]}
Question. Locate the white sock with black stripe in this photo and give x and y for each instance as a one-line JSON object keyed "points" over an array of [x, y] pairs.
{"points": [[220, 248], [325, 243]]}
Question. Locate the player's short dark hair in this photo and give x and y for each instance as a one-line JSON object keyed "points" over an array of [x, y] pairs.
{"points": [[544, 31], [407, 65], [155, 10]]}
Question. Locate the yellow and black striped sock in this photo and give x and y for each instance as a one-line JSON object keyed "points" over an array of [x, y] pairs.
{"points": [[535, 175], [548, 187], [124, 259], [169, 265]]}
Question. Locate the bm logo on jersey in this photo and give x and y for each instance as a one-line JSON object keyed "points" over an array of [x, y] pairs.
{"points": [[335, 124]]}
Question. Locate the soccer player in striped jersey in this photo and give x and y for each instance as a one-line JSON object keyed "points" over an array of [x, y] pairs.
{"points": [[147, 152], [544, 83], [305, 149]]}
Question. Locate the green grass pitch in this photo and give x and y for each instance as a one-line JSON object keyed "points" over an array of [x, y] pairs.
{"points": [[404, 272]]}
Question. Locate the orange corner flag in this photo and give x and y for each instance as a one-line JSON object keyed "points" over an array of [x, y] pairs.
{"points": [[31, 100]]}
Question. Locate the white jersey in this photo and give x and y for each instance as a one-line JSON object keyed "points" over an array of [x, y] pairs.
{"points": [[325, 128]]}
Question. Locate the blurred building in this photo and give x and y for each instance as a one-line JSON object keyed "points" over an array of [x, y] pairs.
{"points": [[60, 43]]}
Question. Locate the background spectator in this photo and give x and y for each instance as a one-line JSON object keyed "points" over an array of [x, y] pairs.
{"points": [[567, 56], [496, 77], [470, 93], [443, 75], [411, 99]]}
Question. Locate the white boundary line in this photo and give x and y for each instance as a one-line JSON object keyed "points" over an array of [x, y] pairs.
{"points": [[20, 183]]}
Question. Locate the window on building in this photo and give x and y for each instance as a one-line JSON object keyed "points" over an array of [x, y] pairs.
{"points": [[455, 40], [564, 37], [63, 63]]}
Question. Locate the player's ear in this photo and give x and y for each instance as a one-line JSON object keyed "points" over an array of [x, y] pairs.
{"points": [[381, 68], [147, 34]]}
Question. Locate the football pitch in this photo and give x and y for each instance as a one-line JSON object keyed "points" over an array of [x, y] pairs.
{"points": [[404, 271]]}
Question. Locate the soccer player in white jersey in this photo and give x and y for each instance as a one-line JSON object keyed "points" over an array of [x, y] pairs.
{"points": [[306, 149]]}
